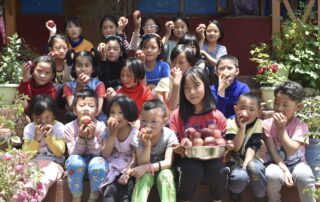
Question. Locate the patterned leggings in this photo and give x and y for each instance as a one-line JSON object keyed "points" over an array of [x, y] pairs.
{"points": [[78, 166], [165, 184]]}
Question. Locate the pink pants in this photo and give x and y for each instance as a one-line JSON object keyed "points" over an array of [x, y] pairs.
{"points": [[52, 172]]}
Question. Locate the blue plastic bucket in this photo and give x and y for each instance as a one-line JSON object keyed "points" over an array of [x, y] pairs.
{"points": [[313, 157]]}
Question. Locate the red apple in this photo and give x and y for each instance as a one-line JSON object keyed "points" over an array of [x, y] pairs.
{"points": [[30, 63], [187, 144], [51, 23], [137, 13], [195, 135], [220, 142], [123, 19], [209, 141], [146, 130], [190, 131], [85, 120], [138, 53], [244, 115], [185, 141], [202, 26], [216, 133], [206, 132], [197, 142]]}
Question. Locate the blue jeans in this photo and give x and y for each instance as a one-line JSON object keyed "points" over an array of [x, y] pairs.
{"points": [[78, 166], [254, 175]]}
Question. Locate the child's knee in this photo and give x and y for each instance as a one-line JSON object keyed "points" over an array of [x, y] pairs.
{"points": [[165, 175], [98, 165], [256, 170], [76, 162]]}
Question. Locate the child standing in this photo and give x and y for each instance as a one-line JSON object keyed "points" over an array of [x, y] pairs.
{"points": [[182, 58], [112, 57], [118, 185], [286, 139], [132, 74], [245, 131], [227, 91], [85, 67], [45, 137], [197, 110], [153, 149], [156, 69], [37, 79], [84, 141]]}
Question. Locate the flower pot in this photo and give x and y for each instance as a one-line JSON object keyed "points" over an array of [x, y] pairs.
{"points": [[267, 95], [313, 157], [7, 93]]}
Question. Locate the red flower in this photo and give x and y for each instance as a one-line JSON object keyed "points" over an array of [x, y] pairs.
{"points": [[71, 172], [261, 71], [274, 68]]}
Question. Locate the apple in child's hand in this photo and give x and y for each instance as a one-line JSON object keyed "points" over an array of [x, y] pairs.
{"points": [[202, 26], [30, 63], [85, 120], [51, 23], [186, 141], [210, 141], [220, 142], [216, 133], [137, 13], [146, 130], [139, 53], [101, 46], [112, 121], [195, 135], [244, 115], [197, 142], [123, 19]]}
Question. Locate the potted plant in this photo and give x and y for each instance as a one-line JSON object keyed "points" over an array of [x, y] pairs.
{"points": [[310, 114], [269, 73]]}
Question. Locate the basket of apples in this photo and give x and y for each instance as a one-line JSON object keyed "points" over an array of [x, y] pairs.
{"points": [[203, 144]]}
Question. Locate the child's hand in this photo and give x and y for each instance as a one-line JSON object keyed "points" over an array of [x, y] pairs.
{"points": [[123, 179], [137, 21], [151, 86], [288, 179], [83, 131], [178, 149], [244, 166], [91, 130], [110, 93], [242, 120], [281, 120], [169, 27], [145, 135], [48, 129], [229, 145], [113, 126], [176, 75], [122, 23], [138, 172], [40, 132], [52, 55], [51, 26], [82, 80], [103, 51], [26, 66], [224, 81], [140, 55], [200, 31]]}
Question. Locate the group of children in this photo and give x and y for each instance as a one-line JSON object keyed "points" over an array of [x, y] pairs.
{"points": [[126, 116]]}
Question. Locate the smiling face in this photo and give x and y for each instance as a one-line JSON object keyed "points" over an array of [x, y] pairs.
{"points": [[46, 117], [228, 69], [212, 33], [83, 65], [127, 78], [59, 48], [251, 106], [180, 29], [73, 31], [86, 107], [153, 119], [108, 28], [113, 50], [194, 92], [42, 73], [151, 49], [285, 105], [150, 27]]}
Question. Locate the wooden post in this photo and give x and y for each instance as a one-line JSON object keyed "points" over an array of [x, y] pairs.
{"points": [[275, 16], [308, 10], [10, 16], [289, 9], [319, 12]]}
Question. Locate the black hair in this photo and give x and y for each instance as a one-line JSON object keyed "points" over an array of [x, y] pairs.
{"points": [[136, 67], [56, 37], [46, 59], [148, 37], [110, 18], [186, 109], [251, 96], [182, 18], [127, 105], [228, 57], [187, 50], [292, 89], [145, 19], [154, 104], [190, 39], [84, 93], [72, 19], [120, 41], [93, 55], [41, 103], [219, 25]]}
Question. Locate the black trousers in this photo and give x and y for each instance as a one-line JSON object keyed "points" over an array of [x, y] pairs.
{"points": [[116, 192], [190, 173]]}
